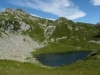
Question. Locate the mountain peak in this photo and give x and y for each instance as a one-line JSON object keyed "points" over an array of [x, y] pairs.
{"points": [[20, 11], [16, 11], [9, 10], [62, 19]]}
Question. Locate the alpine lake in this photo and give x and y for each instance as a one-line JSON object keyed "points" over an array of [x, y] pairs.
{"points": [[61, 58]]}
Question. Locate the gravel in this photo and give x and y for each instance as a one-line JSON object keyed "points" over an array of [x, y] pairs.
{"points": [[17, 47]]}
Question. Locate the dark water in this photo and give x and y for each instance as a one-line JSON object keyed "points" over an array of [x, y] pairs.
{"points": [[59, 59]]}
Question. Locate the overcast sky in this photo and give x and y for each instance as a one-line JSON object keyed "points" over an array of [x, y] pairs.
{"points": [[76, 10]]}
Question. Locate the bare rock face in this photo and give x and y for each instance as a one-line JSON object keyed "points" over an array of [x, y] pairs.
{"points": [[17, 47], [14, 45], [24, 26]]}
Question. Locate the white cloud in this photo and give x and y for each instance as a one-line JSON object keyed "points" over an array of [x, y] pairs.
{"points": [[95, 2], [35, 15], [41, 17], [61, 8]]}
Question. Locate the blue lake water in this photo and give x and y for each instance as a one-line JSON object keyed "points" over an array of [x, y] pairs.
{"points": [[59, 59]]}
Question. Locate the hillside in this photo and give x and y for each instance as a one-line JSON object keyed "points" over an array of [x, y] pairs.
{"points": [[22, 33], [22, 36]]}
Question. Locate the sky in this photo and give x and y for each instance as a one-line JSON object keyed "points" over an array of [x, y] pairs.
{"points": [[87, 11]]}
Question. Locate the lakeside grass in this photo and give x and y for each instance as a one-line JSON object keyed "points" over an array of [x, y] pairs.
{"points": [[57, 47], [89, 66]]}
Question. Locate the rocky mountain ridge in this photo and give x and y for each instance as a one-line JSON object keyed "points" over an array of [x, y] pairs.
{"points": [[22, 33]]}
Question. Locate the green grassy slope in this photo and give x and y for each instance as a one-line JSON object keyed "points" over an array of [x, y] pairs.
{"points": [[91, 66], [68, 36]]}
